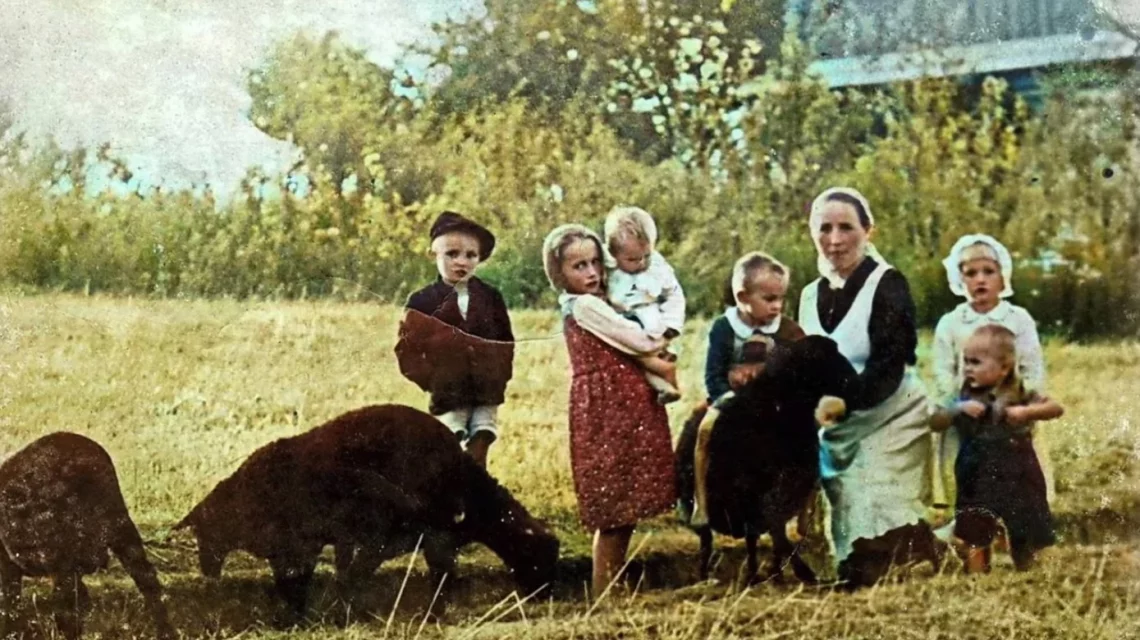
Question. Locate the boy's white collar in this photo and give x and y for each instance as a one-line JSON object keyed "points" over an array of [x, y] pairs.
{"points": [[743, 330]]}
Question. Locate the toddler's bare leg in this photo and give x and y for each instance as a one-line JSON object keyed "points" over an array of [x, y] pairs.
{"points": [[662, 376], [701, 468], [666, 391]]}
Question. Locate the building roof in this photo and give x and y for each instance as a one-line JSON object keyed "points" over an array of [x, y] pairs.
{"points": [[861, 42]]}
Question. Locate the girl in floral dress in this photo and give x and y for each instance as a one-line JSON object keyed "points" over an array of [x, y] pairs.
{"points": [[621, 452]]}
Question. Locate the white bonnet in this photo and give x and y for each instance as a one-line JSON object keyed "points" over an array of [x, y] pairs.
{"points": [[953, 263]]}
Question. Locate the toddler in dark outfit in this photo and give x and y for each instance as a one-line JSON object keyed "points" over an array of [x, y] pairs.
{"points": [[997, 471]]}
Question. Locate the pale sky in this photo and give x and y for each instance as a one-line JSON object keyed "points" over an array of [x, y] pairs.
{"points": [[164, 80]]}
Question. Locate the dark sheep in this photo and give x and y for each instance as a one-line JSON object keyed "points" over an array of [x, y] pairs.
{"points": [[351, 480], [763, 453], [493, 518], [61, 510], [368, 480]]}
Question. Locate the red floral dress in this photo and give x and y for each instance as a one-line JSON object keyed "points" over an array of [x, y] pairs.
{"points": [[621, 452]]}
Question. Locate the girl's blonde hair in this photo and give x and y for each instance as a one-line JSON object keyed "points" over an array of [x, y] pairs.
{"points": [[554, 247], [629, 223], [750, 266], [1004, 344]]}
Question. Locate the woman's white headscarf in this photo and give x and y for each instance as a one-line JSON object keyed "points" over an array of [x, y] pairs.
{"points": [[953, 263], [826, 269]]}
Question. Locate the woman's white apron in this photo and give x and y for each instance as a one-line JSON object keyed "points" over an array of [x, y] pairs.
{"points": [[875, 464]]}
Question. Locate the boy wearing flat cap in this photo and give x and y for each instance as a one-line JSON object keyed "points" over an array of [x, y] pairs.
{"points": [[455, 339]]}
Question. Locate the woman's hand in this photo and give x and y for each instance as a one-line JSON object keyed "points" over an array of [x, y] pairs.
{"points": [[972, 408]]}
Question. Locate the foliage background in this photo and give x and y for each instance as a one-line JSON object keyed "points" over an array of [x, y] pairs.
{"points": [[701, 112]]}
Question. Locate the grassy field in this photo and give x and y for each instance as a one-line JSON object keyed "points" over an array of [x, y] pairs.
{"points": [[179, 392]]}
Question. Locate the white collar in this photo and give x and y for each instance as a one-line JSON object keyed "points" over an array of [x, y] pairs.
{"points": [[743, 330], [997, 314], [566, 302]]}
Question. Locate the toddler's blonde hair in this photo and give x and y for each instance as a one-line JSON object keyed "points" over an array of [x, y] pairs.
{"points": [[1003, 344], [629, 223], [750, 266]]}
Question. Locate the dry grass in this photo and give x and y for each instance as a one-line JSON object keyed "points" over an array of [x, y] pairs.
{"points": [[180, 392]]}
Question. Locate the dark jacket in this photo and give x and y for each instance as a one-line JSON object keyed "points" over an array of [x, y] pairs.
{"points": [[722, 354], [460, 362]]}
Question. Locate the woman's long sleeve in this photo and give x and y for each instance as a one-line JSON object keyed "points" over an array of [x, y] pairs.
{"points": [[894, 336]]}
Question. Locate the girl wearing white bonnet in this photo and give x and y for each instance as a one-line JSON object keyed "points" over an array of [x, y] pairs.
{"points": [[874, 463], [980, 269]]}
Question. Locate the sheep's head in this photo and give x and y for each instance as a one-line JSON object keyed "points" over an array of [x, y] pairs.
{"points": [[498, 520], [813, 368], [212, 522]]}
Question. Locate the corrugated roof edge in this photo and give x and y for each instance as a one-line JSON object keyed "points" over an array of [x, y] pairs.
{"points": [[989, 57]]}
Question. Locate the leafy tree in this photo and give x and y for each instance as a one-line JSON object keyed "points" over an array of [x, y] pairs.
{"points": [[329, 100], [608, 52]]}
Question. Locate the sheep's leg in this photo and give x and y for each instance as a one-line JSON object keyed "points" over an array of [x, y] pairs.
{"points": [[128, 548], [343, 554], [441, 551], [753, 565], [706, 537], [367, 559], [292, 577], [701, 468], [796, 529], [11, 581], [784, 551], [69, 596]]}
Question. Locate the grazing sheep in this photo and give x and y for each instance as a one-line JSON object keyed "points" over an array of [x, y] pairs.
{"points": [[370, 480], [61, 510], [763, 454], [493, 518]]}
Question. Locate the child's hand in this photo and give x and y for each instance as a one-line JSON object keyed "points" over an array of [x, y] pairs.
{"points": [[1016, 416], [741, 375], [972, 408]]}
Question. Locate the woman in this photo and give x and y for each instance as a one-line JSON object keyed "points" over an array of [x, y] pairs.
{"points": [[874, 463], [621, 452]]}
